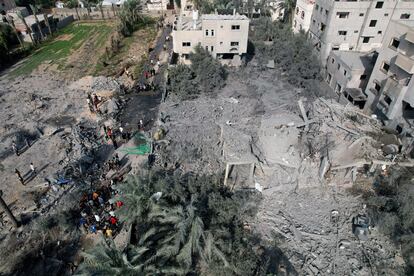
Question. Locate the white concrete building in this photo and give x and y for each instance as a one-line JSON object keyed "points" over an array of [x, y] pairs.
{"points": [[390, 89], [224, 36], [158, 5], [110, 3], [348, 72], [357, 25], [303, 15]]}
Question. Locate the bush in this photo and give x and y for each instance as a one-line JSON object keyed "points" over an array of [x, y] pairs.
{"points": [[204, 75], [182, 82], [7, 40], [209, 73], [292, 53]]}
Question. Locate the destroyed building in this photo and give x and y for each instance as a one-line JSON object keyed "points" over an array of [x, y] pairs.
{"points": [[303, 15], [391, 87], [348, 73]]}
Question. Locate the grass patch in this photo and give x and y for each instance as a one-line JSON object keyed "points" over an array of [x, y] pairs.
{"points": [[57, 50]]}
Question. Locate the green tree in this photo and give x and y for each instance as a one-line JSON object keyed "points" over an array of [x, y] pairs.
{"points": [[293, 53], [130, 16], [209, 73], [187, 224], [73, 4], [182, 82], [288, 6], [106, 259]]}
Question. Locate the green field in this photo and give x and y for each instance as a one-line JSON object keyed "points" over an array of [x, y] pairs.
{"points": [[68, 40]]}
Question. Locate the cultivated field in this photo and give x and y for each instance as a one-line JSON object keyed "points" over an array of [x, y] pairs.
{"points": [[76, 46]]}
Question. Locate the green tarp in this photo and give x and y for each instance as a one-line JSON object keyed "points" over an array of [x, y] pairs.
{"points": [[143, 145]]}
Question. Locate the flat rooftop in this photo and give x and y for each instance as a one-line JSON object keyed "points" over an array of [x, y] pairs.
{"points": [[186, 23], [224, 17], [356, 60]]}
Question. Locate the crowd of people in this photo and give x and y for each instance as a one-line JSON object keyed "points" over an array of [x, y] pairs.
{"points": [[98, 210]]}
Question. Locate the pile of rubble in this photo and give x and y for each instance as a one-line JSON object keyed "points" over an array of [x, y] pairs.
{"points": [[303, 155]]}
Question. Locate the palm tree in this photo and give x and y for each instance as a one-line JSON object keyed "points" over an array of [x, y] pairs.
{"points": [[11, 23], [87, 9], [113, 10], [106, 259], [73, 4], [135, 193], [47, 23], [37, 22], [288, 6], [186, 223], [100, 8], [225, 6], [179, 237], [29, 30]]}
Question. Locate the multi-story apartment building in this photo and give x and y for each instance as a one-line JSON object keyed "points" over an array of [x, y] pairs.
{"points": [[224, 36], [355, 25], [390, 89], [303, 15]]}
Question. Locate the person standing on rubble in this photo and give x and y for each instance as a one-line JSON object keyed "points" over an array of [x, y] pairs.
{"points": [[114, 142], [32, 169], [15, 150], [140, 124], [105, 132], [19, 176], [109, 132]]}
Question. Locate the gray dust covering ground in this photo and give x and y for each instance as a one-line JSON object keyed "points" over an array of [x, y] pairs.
{"points": [[306, 205], [64, 135]]}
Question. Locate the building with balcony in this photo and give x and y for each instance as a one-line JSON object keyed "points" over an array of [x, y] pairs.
{"points": [[224, 36], [303, 15], [348, 72], [390, 89], [357, 25]]}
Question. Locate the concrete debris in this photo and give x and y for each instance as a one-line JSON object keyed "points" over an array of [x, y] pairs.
{"points": [[270, 64], [306, 155]]}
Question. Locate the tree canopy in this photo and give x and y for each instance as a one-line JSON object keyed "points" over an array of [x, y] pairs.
{"points": [[293, 53], [130, 16], [204, 75], [181, 224], [7, 40]]}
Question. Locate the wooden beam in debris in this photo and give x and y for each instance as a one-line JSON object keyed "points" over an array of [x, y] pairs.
{"points": [[347, 129]]}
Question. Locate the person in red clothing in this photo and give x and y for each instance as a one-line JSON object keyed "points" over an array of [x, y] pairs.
{"points": [[113, 220], [119, 204], [109, 132]]}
